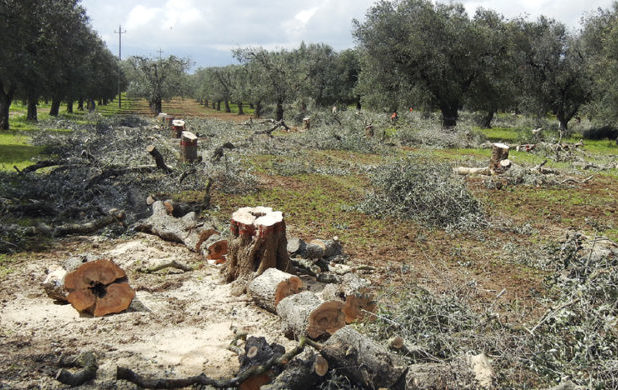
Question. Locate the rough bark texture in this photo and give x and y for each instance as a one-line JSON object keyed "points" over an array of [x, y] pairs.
{"points": [[499, 152], [54, 284], [188, 147], [268, 289], [99, 288], [184, 230], [307, 314], [5, 103], [258, 243], [55, 107], [257, 353], [152, 150], [357, 295], [301, 374], [363, 360]]}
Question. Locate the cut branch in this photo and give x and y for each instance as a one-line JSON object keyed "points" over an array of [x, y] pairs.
{"points": [[152, 150], [86, 360]]}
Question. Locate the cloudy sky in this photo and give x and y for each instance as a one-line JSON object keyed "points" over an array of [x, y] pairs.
{"points": [[207, 30]]}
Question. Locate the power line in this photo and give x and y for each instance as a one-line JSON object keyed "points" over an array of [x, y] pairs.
{"points": [[119, 32]]}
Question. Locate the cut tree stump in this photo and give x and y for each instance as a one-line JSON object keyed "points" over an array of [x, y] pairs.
{"points": [[99, 288], [364, 361], [258, 243], [307, 314], [268, 289], [499, 153], [357, 296], [188, 147], [178, 126], [152, 150]]}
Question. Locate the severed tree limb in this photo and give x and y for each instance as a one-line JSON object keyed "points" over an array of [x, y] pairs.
{"points": [[117, 171], [129, 375], [88, 361], [152, 150], [114, 215], [268, 132], [41, 164], [171, 264]]}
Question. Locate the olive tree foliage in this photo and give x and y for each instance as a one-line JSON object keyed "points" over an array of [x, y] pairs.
{"points": [[600, 44], [417, 52], [48, 49], [553, 70], [157, 80]]}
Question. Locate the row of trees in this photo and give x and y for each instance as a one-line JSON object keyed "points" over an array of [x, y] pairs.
{"points": [[435, 56], [49, 51]]}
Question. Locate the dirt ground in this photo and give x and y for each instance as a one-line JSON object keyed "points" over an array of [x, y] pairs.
{"points": [[179, 324]]}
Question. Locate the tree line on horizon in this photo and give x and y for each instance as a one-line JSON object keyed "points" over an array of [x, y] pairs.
{"points": [[409, 53]]}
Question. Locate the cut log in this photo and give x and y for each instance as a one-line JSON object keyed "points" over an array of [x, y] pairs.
{"points": [[317, 249], [295, 245], [472, 171], [152, 150], [185, 230], [259, 353], [99, 288], [216, 250], [258, 243], [188, 147], [364, 361], [54, 284], [306, 314], [268, 289], [301, 374], [499, 152], [357, 295], [88, 362]]}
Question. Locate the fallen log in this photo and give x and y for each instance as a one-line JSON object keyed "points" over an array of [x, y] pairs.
{"points": [[307, 314], [277, 125], [54, 284], [317, 249], [355, 292], [118, 171], [258, 243], [88, 362], [364, 361], [99, 287], [301, 374], [185, 230], [114, 216], [268, 289], [171, 264]]}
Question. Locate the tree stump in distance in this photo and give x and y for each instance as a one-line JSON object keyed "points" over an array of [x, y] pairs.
{"points": [[188, 147], [167, 120], [499, 153], [272, 286], [178, 126], [99, 288], [258, 243]]}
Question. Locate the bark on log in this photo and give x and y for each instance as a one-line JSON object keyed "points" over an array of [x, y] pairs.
{"points": [[54, 284], [364, 361], [99, 288], [357, 296], [301, 374], [317, 249], [114, 216], [152, 150], [472, 171], [268, 289], [185, 230], [499, 152], [295, 245], [258, 243], [306, 314], [188, 147], [257, 353]]}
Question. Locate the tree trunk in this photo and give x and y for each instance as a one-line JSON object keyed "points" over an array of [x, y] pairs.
{"points": [[307, 314], [206, 103], [364, 361], [258, 109], [499, 153], [279, 112], [80, 104], [268, 289], [258, 243], [5, 104], [32, 110], [240, 109], [99, 288], [449, 116], [55, 107], [214, 105], [91, 105], [485, 122], [227, 106], [218, 105], [251, 106], [358, 103], [70, 106]]}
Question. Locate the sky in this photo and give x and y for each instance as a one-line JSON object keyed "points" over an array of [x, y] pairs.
{"points": [[207, 30]]}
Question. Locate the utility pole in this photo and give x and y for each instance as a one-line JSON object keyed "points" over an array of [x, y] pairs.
{"points": [[119, 32]]}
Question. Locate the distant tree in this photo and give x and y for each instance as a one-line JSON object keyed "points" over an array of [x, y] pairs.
{"points": [[414, 51], [553, 70], [157, 80]]}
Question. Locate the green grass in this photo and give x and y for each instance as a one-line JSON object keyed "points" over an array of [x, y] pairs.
{"points": [[5, 265], [15, 150]]}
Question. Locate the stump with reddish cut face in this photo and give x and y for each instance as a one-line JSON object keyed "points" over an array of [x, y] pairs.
{"points": [[99, 288], [258, 243]]}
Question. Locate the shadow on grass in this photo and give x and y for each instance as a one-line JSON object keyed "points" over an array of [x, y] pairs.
{"points": [[18, 155]]}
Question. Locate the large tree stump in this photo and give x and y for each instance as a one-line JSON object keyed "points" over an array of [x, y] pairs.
{"points": [[364, 361], [188, 147], [307, 314], [272, 286], [499, 162], [258, 243], [99, 288]]}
